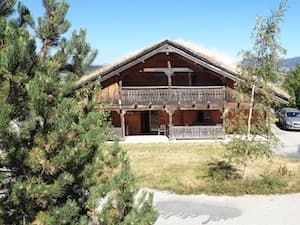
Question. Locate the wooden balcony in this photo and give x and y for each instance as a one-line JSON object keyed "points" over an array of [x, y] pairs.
{"points": [[172, 95], [196, 132]]}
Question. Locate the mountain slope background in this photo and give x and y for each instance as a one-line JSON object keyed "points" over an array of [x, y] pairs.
{"points": [[289, 64], [286, 65]]}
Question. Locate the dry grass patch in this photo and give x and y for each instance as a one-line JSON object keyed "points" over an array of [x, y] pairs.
{"points": [[183, 168], [168, 166]]}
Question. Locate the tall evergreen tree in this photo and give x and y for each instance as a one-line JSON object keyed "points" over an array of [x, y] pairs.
{"points": [[55, 165]]}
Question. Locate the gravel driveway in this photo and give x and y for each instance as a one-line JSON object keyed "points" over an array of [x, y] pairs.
{"points": [[226, 210], [289, 142]]}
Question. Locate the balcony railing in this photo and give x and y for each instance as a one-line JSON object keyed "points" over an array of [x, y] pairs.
{"points": [[197, 132], [116, 132], [172, 95]]}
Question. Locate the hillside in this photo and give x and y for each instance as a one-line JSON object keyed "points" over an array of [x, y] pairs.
{"points": [[289, 64], [91, 69]]}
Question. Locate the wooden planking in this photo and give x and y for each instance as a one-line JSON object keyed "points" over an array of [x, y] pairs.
{"points": [[145, 79], [190, 117], [110, 94], [133, 122], [163, 117], [115, 119]]}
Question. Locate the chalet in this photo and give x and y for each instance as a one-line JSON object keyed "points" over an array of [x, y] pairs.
{"points": [[169, 88]]}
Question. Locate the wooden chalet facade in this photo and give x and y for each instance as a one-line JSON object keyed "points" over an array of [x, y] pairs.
{"points": [[169, 89]]}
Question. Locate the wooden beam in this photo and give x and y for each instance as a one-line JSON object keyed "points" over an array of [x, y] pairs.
{"points": [[120, 93], [112, 72], [170, 112], [209, 65], [166, 70], [169, 65]]}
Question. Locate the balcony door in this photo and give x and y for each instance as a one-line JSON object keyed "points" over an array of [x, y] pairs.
{"points": [[145, 122], [153, 121], [149, 121]]}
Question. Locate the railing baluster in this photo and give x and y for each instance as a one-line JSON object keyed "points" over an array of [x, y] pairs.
{"points": [[197, 132]]}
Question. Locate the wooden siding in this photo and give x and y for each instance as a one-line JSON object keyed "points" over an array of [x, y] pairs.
{"points": [[200, 77], [191, 117], [133, 122], [172, 95], [115, 119], [145, 79], [110, 94], [180, 79], [163, 117]]}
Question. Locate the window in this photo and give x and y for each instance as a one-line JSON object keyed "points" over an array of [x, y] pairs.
{"points": [[293, 114], [153, 120], [204, 116], [194, 79]]}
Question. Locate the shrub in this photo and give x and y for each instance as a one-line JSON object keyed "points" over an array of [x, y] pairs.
{"points": [[222, 170]]}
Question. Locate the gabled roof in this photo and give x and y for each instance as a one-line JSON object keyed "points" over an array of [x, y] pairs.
{"points": [[185, 49]]}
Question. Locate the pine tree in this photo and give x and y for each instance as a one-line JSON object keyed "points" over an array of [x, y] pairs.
{"points": [[55, 165]]}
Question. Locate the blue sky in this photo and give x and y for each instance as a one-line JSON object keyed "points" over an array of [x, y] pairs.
{"points": [[118, 27]]}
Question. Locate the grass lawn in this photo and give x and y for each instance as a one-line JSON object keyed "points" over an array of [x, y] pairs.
{"points": [[183, 168]]}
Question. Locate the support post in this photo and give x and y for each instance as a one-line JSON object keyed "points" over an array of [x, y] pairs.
{"points": [[169, 79], [170, 113], [169, 73], [122, 115], [171, 118], [224, 119], [120, 94]]}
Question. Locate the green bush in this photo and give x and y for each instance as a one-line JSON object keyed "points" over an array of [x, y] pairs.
{"points": [[267, 183]]}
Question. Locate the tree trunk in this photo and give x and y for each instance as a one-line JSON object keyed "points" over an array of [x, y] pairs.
{"points": [[250, 112], [268, 125], [245, 172]]}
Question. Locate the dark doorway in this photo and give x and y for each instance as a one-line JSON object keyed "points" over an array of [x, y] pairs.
{"points": [[145, 122]]}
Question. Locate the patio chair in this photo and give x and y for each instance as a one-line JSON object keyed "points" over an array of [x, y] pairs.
{"points": [[162, 129]]}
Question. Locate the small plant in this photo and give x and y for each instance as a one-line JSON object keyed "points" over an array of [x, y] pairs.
{"points": [[284, 171], [267, 183], [242, 151]]}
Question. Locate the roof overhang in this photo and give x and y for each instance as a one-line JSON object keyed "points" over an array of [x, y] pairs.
{"points": [[165, 46]]}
